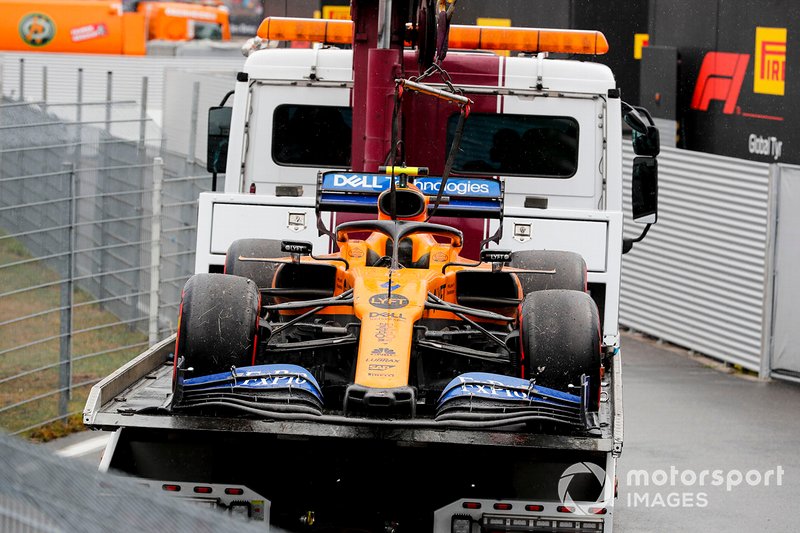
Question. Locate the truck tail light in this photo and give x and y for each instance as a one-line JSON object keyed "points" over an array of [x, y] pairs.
{"points": [[471, 505], [171, 488], [565, 509], [534, 508], [202, 490], [502, 506], [231, 491]]}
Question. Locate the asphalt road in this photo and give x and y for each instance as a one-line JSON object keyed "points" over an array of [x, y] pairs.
{"points": [[682, 418]]}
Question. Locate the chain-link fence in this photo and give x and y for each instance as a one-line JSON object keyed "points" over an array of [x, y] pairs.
{"points": [[42, 493], [96, 241]]}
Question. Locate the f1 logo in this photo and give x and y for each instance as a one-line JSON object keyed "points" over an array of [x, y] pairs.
{"points": [[721, 76]]}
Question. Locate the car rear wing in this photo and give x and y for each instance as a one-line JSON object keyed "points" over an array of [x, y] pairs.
{"points": [[357, 192]]}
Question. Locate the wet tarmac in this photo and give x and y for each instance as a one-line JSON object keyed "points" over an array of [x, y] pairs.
{"points": [[705, 449]]}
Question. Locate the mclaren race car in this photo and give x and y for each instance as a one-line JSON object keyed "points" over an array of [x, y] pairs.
{"points": [[395, 327]]}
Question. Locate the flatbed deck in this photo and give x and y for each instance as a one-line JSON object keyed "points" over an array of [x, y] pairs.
{"points": [[138, 395]]}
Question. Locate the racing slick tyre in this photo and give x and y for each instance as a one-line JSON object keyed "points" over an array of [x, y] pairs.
{"points": [[570, 270], [259, 271], [218, 323], [560, 332]]}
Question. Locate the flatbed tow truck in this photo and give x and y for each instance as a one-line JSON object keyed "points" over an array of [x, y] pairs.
{"points": [[314, 140]]}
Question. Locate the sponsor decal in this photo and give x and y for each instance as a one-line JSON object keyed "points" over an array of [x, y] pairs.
{"points": [[439, 257], [387, 314], [769, 75], [384, 333], [359, 181], [769, 146], [389, 286], [382, 360], [37, 29], [428, 185], [273, 378], [88, 32], [385, 301], [380, 367], [721, 76], [461, 187], [382, 351], [355, 252]]}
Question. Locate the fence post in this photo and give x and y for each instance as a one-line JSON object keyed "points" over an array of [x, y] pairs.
{"points": [[65, 330], [44, 88], [109, 74], [21, 79], [79, 107], [143, 113], [155, 248], [193, 125]]}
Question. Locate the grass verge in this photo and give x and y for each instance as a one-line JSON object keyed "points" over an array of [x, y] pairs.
{"points": [[30, 345]]}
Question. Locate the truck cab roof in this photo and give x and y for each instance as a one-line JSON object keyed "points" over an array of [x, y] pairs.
{"points": [[335, 65]]}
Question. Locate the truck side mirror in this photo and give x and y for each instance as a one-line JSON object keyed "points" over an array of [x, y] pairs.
{"points": [[646, 139], [644, 190], [219, 128], [648, 144]]}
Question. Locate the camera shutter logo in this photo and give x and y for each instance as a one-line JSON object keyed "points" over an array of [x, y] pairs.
{"points": [[37, 29], [580, 469]]}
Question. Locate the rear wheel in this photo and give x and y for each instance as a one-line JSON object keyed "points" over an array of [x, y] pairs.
{"points": [[570, 270], [218, 323], [561, 341], [261, 272]]}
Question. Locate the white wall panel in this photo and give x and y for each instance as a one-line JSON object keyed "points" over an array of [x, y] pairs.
{"points": [[698, 278]]}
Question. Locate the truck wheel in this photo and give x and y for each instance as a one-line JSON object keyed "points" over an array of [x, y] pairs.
{"points": [[218, 323], [260, 272], [560, 332], [570, 270]]}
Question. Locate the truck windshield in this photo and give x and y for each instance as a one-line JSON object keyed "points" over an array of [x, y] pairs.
{"points": [[312, 135], [522, 145]]}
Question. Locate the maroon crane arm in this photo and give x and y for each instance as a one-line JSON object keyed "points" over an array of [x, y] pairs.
{"points": [[378, 32]]}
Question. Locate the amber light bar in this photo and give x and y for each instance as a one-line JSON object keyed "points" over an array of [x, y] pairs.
{"points": [[465, 37], [299, 29]]}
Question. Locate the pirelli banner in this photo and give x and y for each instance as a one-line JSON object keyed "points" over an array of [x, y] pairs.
{"points": [[739, 77]]}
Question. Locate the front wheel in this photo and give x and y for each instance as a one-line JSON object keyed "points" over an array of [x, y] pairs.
{"points": [[218, 322], [560, 342], [262, 272], [569, 270]]}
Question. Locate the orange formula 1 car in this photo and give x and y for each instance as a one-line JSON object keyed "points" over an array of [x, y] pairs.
{"points": [[395, 327]]}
